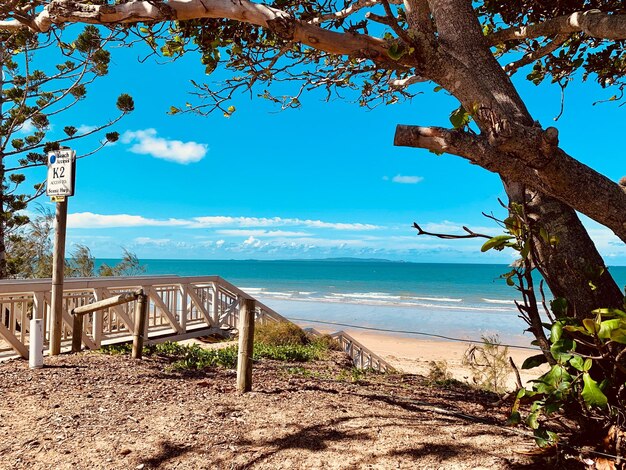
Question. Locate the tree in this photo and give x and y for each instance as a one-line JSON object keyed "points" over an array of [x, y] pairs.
{"points": [[29, 251], [31, 96], [378, 49]]}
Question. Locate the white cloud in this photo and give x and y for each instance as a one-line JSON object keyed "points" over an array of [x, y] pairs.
{"points": [[146, 142], [260, 233], [252, 242], [91, 220], [152, 241], [404, 179], [221, 221]]}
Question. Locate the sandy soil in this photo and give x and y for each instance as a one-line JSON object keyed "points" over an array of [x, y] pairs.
{"points": [[92, 411], [413, 356]]}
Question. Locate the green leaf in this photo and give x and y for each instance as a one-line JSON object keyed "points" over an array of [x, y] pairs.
{"points": [[591, 326], [608, 326], [610, 312], [396, 51], [545, 438], [533, 420], [587, 365], [496, 242], [619, 336], [577, 363], [561, 349], [460, 118], [576, 329], [592, 394], [556, 332], [534, 361], [514, 418]]}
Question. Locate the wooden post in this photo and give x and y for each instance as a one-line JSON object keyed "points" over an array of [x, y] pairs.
{"points": [[77, 332], [215, 305], [246, 345], [58, 266], [140, 321]]}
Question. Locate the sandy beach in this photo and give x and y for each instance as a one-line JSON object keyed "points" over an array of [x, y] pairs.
{"points": [[413, 355]]}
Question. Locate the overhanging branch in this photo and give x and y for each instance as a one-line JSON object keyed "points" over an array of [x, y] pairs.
{"points": [[516, 159], [593, 23], [280, 22]]}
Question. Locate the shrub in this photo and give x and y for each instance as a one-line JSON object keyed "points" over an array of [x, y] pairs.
{"points": [[438, 372], [280, 334], [290, 353], [489, 364]]}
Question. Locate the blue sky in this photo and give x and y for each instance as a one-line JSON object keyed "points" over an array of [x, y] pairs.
{"points": [[321, 181]]}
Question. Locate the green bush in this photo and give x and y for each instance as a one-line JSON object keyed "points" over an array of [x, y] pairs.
{"points": [[289, 353], [280, 334], [195, 358]]}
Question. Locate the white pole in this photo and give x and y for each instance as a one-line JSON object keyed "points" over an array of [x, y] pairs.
{"points": [[35, 354]]}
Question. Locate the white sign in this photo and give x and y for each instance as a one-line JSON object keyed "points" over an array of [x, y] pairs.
{"points": [[61, 173]]}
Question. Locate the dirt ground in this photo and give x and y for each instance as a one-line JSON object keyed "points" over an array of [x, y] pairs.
{"points": [[94, 411]]}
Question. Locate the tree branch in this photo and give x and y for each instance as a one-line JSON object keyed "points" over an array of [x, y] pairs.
{"points": [[538, 54], [561, 176], [593, 23], [353, 8], [446, 236], [280, 22]]}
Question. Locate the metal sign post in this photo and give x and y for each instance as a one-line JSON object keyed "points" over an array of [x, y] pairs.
{"points": [[60, 185]]}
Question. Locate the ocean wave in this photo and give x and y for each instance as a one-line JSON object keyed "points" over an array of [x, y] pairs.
{"points": [[384, 299], [497, 301], [385, 296]]}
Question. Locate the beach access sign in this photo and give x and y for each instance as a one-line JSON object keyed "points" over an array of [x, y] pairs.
{"points": [[61, 173]]}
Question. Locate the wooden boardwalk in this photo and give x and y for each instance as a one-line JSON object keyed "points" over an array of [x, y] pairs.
{"points": [[178, 308]]}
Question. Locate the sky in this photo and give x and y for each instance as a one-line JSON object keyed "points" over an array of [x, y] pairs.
{"points": [[321, 181]]}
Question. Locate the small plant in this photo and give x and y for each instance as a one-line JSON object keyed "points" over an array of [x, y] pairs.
{"points": [[196, 358], [489, 364], [290, 353], [438, 373], [280, 334], [326, 342], [116, 349]]}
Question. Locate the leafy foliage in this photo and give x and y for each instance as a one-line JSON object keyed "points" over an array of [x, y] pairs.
{"points": [[586, 381], [280, 334], [602, 59], [31, 97], [29, 254]]}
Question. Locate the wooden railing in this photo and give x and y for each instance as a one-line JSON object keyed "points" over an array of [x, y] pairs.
{"points": [[362, 357], [178, 308]]}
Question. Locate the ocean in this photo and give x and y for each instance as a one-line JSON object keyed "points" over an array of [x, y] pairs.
{"points": [[466, 301]]}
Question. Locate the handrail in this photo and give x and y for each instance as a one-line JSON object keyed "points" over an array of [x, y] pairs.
{"points": [[363, 357], [357, 351], [178, 307]]}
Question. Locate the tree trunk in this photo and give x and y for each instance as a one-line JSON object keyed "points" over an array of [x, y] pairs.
{"points": [[473, 75]]}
